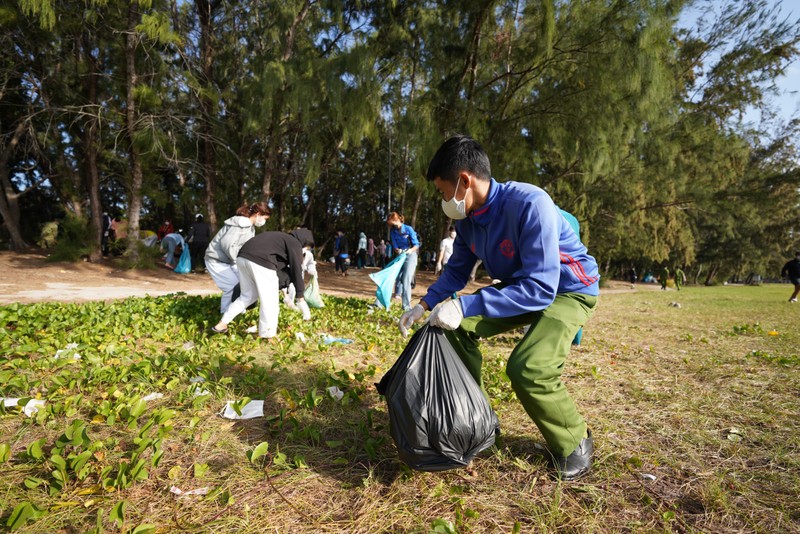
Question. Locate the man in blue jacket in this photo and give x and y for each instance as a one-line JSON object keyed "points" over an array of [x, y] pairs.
{"points": [[547, 281]]}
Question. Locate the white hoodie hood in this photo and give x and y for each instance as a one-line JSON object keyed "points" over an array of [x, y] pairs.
{"points": [[240, 221]]}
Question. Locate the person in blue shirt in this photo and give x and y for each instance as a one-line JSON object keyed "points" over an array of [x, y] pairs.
{"points": [[547, 281], [404, 239]]}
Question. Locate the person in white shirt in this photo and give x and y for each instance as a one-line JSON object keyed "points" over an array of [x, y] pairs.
{"points": [[445, 250]]}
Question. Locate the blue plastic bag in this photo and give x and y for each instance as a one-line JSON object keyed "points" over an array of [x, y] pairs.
{"points": [[385, 279], [185, 263]]}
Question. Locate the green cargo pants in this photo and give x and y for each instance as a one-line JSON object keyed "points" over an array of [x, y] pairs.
{"points": [[535, 365]]}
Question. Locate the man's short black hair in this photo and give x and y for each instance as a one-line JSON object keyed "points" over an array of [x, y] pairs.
{"points": [[459, 153]]}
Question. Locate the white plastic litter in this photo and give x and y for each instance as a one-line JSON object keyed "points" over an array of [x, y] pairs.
{"points": [[336, 393], [66, 350], [189, 345], [301, 337], [153, 396], [29, 409], [252, 329], [199, 491], [196, 380], [648, 476], [251, 410]]}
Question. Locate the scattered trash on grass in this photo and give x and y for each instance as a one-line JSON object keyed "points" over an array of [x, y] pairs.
{"points": [[301, 337], [153, 396], [30, 407], [675, 304], [196, 380], [734, 434], [648, 476], [189, 345], [336, 393], [180, 493], [328, 339], [66, 351], [251, 410]]}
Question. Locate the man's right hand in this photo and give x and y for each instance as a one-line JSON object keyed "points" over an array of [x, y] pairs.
{"points": [[414, 315]]}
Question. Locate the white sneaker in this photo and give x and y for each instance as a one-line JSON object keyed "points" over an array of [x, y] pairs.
{"points": [[792, 300], [252, 330]]}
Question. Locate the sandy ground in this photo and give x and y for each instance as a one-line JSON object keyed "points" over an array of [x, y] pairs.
{"points": [[27, 277]]}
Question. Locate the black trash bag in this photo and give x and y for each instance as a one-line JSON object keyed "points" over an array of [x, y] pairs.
{"points": [[439, 417]]}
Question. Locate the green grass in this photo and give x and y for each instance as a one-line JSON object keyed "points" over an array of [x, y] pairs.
{"points": [[703, 397]]}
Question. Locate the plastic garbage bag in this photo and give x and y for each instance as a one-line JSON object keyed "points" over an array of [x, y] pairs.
{"points": [[311, 294], [185, 262], [439, 417], [385, 279]]}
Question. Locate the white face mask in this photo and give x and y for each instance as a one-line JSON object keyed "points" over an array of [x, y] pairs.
{"points": [[260, 221], [455, 209]]}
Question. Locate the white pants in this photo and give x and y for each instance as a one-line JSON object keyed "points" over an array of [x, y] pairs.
{"points": [[257, 283], [226, 276]]}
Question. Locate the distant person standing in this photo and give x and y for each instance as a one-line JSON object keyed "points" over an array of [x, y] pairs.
{"points": [[361, 251], [199, 237], [107, 220], [341, 252], [445, 250], [664, 278], [792, 271], [404, 239], [680, 278], [165, 229], [632, 275], [370, 252], [381, 249]]}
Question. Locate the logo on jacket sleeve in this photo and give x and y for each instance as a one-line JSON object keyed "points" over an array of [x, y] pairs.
{"points": [[507, 249]]}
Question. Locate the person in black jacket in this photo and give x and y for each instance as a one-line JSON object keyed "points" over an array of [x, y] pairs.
{"points": [[199, 236], [792, 271], [340, 252], [259, 261]]}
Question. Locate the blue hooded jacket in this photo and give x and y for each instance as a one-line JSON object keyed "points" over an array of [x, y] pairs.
{"points": [[524, 241]]}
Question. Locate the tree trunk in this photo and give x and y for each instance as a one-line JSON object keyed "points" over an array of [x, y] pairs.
{"points": [[205, 10], [9, 207], [697, 276], [417, 203], [712, 274], [137, 177], [92, 177]]}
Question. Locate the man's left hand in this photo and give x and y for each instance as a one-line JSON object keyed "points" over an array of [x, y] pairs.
{"points": [[447, 315]]}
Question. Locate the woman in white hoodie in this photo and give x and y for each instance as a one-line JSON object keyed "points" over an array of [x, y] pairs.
{"points": [[224, 248]]}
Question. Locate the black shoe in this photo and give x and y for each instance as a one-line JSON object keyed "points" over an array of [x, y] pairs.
{"points": [[576, 464]]}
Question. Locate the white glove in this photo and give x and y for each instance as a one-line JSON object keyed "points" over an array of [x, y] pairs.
{"points": [[447, 315], [303, 306], [312, 270], [414, 315], [288, 297]]}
